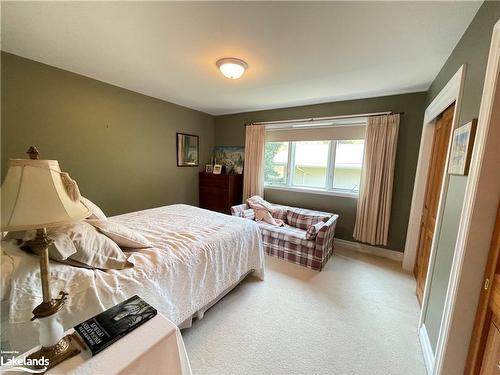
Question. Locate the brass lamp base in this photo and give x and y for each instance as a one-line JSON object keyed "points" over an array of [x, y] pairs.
{"points": [[64, 349], [49, 308]]}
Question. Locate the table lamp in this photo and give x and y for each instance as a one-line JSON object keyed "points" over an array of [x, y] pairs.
{"points": [[37, 195]]}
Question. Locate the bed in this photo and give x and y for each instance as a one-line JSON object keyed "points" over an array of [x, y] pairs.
{"points": [[197, 257]]}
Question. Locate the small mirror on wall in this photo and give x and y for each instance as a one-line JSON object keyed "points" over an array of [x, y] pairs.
{"points": [[187, 150]]}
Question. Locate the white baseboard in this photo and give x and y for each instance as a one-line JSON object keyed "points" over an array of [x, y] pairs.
{"points": [[368, 249], [426, 349]]}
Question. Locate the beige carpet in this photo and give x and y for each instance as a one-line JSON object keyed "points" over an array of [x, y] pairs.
{"points": [[358, 316]]}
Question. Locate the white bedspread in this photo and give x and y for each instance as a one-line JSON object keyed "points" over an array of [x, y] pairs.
{"points": [[197, 255]]}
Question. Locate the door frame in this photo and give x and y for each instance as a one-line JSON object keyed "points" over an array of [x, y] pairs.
{"points": [[452, 92], [477, 220], [441, 194]]}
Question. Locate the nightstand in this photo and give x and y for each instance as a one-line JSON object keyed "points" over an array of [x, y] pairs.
{"points": [[156, 347]]}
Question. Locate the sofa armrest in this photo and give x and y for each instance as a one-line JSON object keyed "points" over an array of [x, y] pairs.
{"points": [[242, 210], [238, 209], [325, 236]]}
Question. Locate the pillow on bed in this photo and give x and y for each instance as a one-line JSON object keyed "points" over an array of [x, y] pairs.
{"points": [[123, 236], [92, 249], [24, 235], [62, 246], [60, 249], [7, 268], [96, 211]]}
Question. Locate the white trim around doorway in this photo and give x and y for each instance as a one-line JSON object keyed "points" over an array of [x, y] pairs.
{"points": [[427, 352], [452, 92], [453, 95]]}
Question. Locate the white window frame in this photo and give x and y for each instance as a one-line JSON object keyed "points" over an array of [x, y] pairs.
{"points": [[327, 189]]}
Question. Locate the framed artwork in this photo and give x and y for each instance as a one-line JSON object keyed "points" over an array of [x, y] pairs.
{"points": [[209, 168], [188, 152], [461, 149], [217, 169], [231, 157]]}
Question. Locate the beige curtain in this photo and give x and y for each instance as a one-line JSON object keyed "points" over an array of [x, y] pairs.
{"points": [[375, 194], [253, 180]]}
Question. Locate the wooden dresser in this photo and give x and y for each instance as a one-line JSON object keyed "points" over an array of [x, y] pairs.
{"points": [[218, 192]]}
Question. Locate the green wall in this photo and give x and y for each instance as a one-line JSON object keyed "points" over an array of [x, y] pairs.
{"points": [[472, 50], [230, 131], [119, 145]]}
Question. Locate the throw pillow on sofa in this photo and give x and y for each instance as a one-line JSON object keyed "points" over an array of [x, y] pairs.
{"points": [[313, 230], [303, 221], [280, 213]]}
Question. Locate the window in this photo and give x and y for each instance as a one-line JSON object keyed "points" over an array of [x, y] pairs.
{"points": [[310, 167], [332, 166], [276, 162], [348, 163]]}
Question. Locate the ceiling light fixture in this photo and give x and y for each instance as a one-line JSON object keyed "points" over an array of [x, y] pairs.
{"points": [[231, 67]]}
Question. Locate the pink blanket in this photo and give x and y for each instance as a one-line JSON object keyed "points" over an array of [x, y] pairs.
{"points": [[263, 210]]}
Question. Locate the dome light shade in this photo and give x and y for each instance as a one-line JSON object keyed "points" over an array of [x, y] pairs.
{"points": [[231, 67]]}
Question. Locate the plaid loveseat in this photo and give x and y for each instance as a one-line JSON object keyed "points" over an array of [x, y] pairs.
{"points": [[306, 238]]}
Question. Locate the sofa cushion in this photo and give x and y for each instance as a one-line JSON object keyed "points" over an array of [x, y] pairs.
{"points": [[280, 213], [303, 219], [270, 233], [313, 230]]}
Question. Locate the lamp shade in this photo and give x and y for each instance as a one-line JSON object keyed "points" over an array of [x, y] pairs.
{"points": [[35, 196]]}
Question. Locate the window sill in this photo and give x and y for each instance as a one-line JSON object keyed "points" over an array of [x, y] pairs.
{"points": [[336, 193]]}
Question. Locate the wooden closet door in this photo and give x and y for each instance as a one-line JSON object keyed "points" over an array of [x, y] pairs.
{"points": [[491, 359], [484, 348], [432, 193]]}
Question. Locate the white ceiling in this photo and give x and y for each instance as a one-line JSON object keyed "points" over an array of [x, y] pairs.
{"points": [[297, 52]]}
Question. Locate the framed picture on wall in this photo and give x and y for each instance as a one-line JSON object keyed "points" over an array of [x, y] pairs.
{"points": [[188, 152], [461, 149], [231, 157]]}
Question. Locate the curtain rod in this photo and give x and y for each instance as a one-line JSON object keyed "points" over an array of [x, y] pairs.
{"points": [[314, 119]]}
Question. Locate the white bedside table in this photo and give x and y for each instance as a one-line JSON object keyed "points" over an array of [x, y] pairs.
{"points": [[156, 347]]}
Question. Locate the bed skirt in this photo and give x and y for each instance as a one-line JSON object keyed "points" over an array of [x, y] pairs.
{"points": [[201, 312]]}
